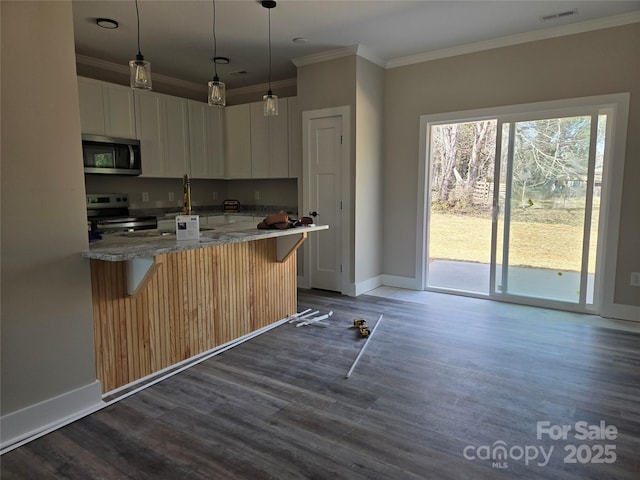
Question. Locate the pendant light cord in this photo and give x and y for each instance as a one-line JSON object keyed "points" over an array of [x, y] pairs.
{"points": [[215, 43], [138, 17], [269, 50]]}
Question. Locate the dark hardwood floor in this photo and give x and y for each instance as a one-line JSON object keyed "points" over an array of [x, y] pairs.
{"points": [[439, 389]]}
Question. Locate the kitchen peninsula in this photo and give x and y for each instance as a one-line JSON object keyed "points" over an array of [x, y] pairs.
{"points": [[158, 301]]}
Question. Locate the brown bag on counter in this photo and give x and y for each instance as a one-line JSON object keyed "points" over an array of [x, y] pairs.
{"points": [[277, 220]]}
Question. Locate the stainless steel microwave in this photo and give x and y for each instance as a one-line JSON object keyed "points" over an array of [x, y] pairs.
{"points": [[119, 156]]}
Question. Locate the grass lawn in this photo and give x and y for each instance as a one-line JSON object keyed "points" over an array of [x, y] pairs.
{"points": [[538, 239]]}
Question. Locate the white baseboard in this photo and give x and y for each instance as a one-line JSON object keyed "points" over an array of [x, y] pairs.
{"points": [[409, 283], [36, 420], [367, 285], [621, 312]]}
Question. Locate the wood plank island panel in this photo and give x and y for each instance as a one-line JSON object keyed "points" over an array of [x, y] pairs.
{"points": [[196, 300]]}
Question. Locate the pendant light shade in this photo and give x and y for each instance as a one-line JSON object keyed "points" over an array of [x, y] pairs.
{"points": [[139, 69], [217, 96], [140, 73], [270, 104], [270, 100]]}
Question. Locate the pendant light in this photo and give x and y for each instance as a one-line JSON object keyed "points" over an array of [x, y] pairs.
{"points": [[139, 69], [270, 100], [217, 95]]}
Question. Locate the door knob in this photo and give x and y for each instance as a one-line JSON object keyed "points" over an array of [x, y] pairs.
{"points": [[314, 214]]}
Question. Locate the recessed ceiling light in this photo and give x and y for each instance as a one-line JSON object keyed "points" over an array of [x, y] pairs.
{"points": [[107, 23], [300, 40], [221, 60]]}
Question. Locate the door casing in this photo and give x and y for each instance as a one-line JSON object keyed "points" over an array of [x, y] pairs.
{"points": [[617, 105], [305, 280]]}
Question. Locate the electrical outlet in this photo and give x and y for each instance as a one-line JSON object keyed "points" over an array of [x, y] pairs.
{"points": [[635, 279], [215, 196], [145, 196], [172, 196], [257, 195]]}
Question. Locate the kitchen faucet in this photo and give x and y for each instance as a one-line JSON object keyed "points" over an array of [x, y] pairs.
{"points": [[186, 185]]}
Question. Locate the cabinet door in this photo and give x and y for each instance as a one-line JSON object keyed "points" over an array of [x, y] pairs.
{"points": [[150, 128], [206, 140], [120, 120], [238, 141], [91, 106], [279, 141], [269, 142], [259, 141], [177, 137], [216, 142], [199, 138]]}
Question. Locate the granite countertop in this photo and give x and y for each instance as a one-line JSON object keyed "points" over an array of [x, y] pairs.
{"points": [[116, 247]]}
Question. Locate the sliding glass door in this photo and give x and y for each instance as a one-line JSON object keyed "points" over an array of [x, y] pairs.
{"points": [[513, 207], [547, 219], [462, 169]]}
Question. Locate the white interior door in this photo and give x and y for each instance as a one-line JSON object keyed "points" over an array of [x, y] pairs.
{"points": [[325, 164]]}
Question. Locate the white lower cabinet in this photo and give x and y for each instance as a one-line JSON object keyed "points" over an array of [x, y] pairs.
{"points": [[167, 224]]}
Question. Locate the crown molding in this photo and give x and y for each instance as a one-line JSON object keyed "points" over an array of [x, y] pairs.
{"points": [[367, 54], [325, 56], [553, 32], [184, 84], [124, 69], [262, 87], [319, 57]]}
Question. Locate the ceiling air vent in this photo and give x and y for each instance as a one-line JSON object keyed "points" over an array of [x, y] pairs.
{"points": [[238, 73], [555, 16]]}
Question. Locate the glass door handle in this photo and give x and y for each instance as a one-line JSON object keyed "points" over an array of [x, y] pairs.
{"points": [[495, 211]]}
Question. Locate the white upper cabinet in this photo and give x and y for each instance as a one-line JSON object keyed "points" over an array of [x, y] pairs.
{"points": [[162, 123], [177, 136], [270, 142], [238, 141], [206, 140], [150, 127], [106, 109]]}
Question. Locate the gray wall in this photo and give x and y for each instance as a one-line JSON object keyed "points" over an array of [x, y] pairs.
{"points": [[368, 177], [360, 84], [594, 63], [332, 84], [47, 327]]}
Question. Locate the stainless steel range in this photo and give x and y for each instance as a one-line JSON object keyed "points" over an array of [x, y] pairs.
{"points": [[109, 212]]}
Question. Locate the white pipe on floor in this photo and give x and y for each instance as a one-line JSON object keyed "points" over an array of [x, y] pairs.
{"points": [[363, 347]]}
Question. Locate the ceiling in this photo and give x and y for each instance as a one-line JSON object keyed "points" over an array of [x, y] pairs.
{"points": [[176, 36]]}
